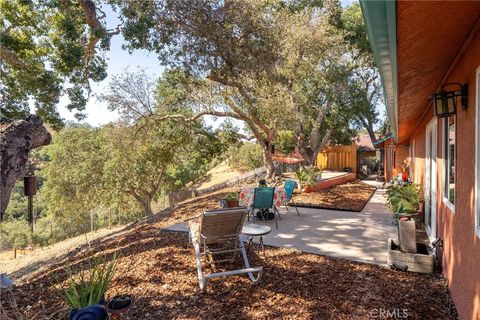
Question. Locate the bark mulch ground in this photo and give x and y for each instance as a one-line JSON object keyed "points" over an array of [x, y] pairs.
{"points": [[158, 268], [351, 196]]}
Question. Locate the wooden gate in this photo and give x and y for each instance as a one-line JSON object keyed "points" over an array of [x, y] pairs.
{"points": [[336, 158]]}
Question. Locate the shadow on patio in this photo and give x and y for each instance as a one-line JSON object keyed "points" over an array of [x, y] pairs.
{"points": [[158, 268], [359, 236]]}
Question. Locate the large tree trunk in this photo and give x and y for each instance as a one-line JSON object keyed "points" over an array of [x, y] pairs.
{"points": [[147, 206], [368, 125], [310, 150], [267, 155], [305, 151], [323, 143], [17, 139], [144, 199], [309, 153], [268, 161]]}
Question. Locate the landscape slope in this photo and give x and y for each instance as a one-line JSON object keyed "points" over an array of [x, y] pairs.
{"points": [[158, 268]]}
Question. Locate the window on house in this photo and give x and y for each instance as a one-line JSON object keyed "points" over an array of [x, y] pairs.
{"points": [[449, 160]]}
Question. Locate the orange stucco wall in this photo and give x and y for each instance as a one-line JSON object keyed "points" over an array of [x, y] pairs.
{"points": [[461, 246], [398, 153]]}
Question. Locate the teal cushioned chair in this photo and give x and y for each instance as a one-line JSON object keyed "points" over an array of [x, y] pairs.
{"points": [[263, 200], [289, 186]]}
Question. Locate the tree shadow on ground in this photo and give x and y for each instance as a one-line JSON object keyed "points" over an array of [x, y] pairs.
{"points": [[162, 278], [158, 268]]}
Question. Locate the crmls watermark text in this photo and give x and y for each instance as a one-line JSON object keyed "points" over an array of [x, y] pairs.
{"points": [[395, 313]]}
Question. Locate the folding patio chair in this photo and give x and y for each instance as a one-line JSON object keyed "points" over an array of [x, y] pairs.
{"points": [[217, 232], [289, 186], [263, 200]]}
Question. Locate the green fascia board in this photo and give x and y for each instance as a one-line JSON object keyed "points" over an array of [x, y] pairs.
{"points": [[380, 19], [383, 139]]}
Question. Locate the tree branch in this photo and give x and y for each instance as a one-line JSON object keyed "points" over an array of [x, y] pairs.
{"points": [[197, 116], [367, 124], [324, 142], [243, 93], [314, 134], [96, 29], [10, 58]]}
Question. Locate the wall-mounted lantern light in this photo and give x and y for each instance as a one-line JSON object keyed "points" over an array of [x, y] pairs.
{"points": [[445, 102]]}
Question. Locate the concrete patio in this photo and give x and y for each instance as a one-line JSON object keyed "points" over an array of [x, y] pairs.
{"points": [[359, 236]]}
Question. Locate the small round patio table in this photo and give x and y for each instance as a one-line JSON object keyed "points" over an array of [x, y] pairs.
{"points": [[255, 230]]}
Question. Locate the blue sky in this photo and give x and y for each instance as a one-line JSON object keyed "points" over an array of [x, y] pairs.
{"points": [[119, 60]]}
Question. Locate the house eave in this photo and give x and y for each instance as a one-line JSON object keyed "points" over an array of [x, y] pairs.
{"points": [[380, 20]]}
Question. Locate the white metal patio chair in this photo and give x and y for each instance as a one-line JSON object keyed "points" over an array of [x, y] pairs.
{"points": [[218, 232]]}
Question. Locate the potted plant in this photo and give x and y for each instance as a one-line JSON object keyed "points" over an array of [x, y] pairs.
{"points": [[404, 197], [299, 174], [85, 290], [405, 169], [308, 178], [232, 200]]}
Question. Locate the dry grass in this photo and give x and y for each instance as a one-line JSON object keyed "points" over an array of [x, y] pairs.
{"points": [[220, 173], [28, 260]]}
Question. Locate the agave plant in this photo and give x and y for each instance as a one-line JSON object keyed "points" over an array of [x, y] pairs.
{"points": [[88, 287]]}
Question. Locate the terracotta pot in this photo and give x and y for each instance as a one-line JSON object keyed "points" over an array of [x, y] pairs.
{"points": [[309, 189], [232, 203]]}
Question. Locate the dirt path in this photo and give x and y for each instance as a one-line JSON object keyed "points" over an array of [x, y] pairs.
{"points": [[31, 260]]}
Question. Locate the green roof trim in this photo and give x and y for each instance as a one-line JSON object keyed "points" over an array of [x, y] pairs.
{"points": [[380, 19], [388, 136]]}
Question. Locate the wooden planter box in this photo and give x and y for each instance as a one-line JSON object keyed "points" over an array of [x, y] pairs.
{"points": [[422, 261], [330, 182]]}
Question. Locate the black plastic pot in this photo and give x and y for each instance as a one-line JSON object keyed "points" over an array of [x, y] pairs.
{"points": [[93, 312], [119, 304]]}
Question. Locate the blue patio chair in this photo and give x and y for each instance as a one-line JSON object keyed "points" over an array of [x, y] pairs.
{"points": [[289, 186], [263, 201]]}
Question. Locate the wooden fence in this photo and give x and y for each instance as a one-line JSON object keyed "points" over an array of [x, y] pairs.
{"points": [[179, 196], [336, 158]]}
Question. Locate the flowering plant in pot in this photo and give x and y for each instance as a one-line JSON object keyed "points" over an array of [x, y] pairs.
{"points": [[232, 200], [85, 290], [405, 169]]}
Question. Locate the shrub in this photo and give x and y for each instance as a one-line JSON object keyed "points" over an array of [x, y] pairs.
{"points": [[249, 156], [370, 164], [308, 175], [14, 234], [286, 141], [404, 198]]}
